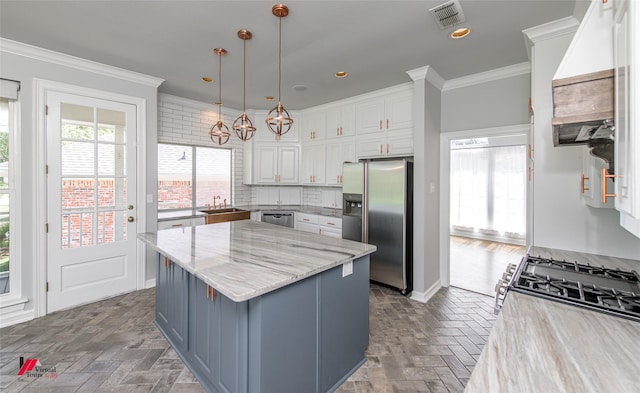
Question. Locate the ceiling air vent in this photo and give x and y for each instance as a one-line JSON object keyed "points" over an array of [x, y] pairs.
{"points": [[448, 14]]}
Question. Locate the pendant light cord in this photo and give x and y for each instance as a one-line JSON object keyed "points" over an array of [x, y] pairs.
{"points": [[244, 77], [220, 87], [279, 58]]}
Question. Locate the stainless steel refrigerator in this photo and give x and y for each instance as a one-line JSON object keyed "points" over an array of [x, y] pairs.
{"points": [[378, 209]]}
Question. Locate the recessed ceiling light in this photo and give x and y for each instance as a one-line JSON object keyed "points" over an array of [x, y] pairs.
{"points": [[269, 98], [341, 74], [460, 32], [299, 87], [207, 79]]}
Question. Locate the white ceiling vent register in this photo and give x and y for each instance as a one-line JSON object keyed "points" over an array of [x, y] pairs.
{"points": [[448, 14]]}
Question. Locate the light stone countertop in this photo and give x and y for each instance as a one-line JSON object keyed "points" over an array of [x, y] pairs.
{"points": [[245, 259], [539, 345]]}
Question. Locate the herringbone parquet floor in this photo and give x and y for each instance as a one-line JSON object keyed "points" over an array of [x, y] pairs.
{"points": [[113, 346]]}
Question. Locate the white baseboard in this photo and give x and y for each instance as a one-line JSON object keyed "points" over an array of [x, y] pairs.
{"points": [[15, 318], [424, 297], [150, 283]]}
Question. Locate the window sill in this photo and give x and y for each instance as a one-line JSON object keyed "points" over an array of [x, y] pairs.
{"points": [[12, 311]]}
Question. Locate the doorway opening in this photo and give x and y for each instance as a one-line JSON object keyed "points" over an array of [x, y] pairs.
{"points": [[487, 208]]}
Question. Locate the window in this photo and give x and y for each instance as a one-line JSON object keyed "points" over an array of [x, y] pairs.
{"points": [[192, 176], [9, 263], [488, 190]]}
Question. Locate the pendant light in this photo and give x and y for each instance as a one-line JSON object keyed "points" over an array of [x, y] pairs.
{"points": [[243, 127], [278, 119], [219, 132]]}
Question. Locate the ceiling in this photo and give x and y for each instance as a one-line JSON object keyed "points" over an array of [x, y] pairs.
{"points": [[376, 42]]}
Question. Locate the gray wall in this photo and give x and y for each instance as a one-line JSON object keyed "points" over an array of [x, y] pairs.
{"points": [[25, 69], [497, 103]]}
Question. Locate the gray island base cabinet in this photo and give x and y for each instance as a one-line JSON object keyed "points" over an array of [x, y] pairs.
{"points": [[306, 337]]}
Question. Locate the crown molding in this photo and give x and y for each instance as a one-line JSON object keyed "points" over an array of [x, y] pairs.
{"points": [[429, 74], [550, 30], [41, 54], [488, 76]]}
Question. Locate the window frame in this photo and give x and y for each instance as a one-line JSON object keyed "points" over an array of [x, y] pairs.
{"points": [[194, 175], [14, 295]]}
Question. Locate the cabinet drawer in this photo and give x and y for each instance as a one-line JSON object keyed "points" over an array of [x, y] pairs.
{"points": [[332, 222], [307, 218]]}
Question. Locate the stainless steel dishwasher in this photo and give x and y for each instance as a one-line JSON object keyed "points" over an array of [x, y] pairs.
{"points": [[282, 218]]}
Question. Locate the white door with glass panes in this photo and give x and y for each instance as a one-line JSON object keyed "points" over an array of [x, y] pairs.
{"points": [[91, 197]]}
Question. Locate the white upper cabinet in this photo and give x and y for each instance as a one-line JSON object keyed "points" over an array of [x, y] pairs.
{"points": [[313, 126], [276, 165], [386, 144], [626, 36], [341, 121], [313, 164], [591, 181], [279, 196], [385, 113], [337, 154]]}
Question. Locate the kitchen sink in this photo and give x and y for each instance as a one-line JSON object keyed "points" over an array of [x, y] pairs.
{"points": [[223, 215]]}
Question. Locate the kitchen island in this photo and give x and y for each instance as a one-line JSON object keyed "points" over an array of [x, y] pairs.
{"points": [[254, 307], [539, 345]]}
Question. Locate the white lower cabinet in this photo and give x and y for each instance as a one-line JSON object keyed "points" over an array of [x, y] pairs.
{"points": [[322, 225]]}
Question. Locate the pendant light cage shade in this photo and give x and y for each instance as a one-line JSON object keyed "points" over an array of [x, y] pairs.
{"points": [[243, 127], [219, 132], [279, 120]]}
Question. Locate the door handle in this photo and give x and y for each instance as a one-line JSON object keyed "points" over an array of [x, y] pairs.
{"points": [[130, 219], [130, 207]]}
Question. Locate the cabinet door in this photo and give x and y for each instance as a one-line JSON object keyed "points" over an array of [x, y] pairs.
{"points": [[399, 143], [337, 154], [347, 120], [374, 146], [288, 165], [329, 198], [591, 182], [290, 195], [178, 305], [369, 115], [306, 227], [306, 164], [399, 111], [162, 294], [313, 126], [331, 232], [313, 164], [204, 331], [333, 122], [267, 196], [266, 164]]}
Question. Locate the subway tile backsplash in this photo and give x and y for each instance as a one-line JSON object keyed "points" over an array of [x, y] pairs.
{"points": [[187, 122]]}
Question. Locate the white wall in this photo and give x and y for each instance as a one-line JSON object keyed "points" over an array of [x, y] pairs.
{"points": [[25, 67], [560, 218]]}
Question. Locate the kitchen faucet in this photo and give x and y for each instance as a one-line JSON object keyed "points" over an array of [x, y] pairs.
{"points": [[214, 200]]}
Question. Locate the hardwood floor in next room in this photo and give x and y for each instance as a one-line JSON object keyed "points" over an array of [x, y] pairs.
{"points": [[113, 346], [477, 265]]}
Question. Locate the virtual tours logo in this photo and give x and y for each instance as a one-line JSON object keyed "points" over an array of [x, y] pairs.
{"points": [[33, 368]]}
